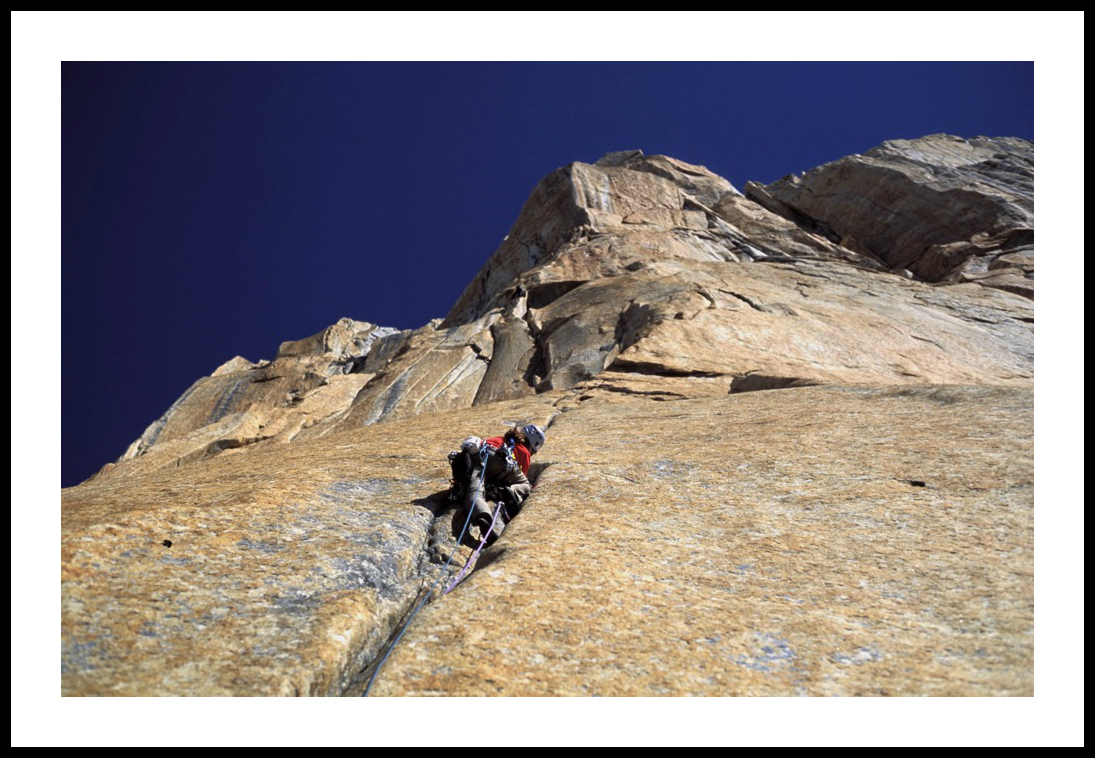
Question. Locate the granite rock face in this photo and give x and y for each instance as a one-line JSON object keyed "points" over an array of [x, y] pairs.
{"points": [[813, 541], [601, 220], [806, 541], [280, 570], [647, 265], [862, 527], [242, 403], [944, 208]]}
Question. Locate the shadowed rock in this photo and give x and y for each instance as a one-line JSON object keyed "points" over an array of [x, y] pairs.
{"points": [[945, 208]]}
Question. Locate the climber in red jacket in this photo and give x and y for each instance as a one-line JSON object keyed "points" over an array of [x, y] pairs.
{"points": [[495, 470]]}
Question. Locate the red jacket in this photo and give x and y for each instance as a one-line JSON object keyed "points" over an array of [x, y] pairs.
{"points": [[520, 452]]}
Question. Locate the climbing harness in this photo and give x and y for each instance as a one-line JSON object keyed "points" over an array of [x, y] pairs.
{"points": [[484, 454], [510, 457]]}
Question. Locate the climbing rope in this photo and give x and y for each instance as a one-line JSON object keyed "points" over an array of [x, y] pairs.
{"points": [[484, 453], [471, 559]]}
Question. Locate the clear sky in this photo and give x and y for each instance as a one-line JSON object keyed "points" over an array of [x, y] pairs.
{"points": [[217, 209]]}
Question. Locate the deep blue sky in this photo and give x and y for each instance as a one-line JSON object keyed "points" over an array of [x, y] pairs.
{"points": [[213, 210]]}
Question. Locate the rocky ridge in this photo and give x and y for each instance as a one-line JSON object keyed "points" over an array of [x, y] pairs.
{"points": [[618, 268], [269, 531], [944, 208]]}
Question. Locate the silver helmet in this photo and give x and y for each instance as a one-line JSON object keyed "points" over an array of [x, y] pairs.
{"points": [[535, 436]]}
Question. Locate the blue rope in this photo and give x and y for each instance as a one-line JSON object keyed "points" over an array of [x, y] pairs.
{"points": [[483, 455], [467, 564]]}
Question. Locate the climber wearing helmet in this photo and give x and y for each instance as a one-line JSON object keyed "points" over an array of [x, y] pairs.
{"points": [[495, 470]]}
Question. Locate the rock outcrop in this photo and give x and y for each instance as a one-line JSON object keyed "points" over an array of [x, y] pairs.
{"points": [[641, 265], [242, 403], [944, 208], [866, 529]]}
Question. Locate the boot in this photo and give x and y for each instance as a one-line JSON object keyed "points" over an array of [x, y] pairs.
{"points": [[457, 492], [492, 535]]}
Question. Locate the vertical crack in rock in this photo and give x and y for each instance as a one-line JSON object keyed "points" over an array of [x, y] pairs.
{"points": [[435, 572], [536, 370], [385, 558], [514, 355]]}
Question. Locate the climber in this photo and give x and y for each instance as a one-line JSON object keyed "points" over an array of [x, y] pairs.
{"points": [[494, 470]]}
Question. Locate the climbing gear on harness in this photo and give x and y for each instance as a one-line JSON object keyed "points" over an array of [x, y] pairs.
{"points": [[509, 458], [535, 436], [495, 493]]}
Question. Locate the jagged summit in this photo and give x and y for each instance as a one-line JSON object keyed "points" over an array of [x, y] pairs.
{"points": [[941, 207], [244, 403], [651, 207], [687, 534]]}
